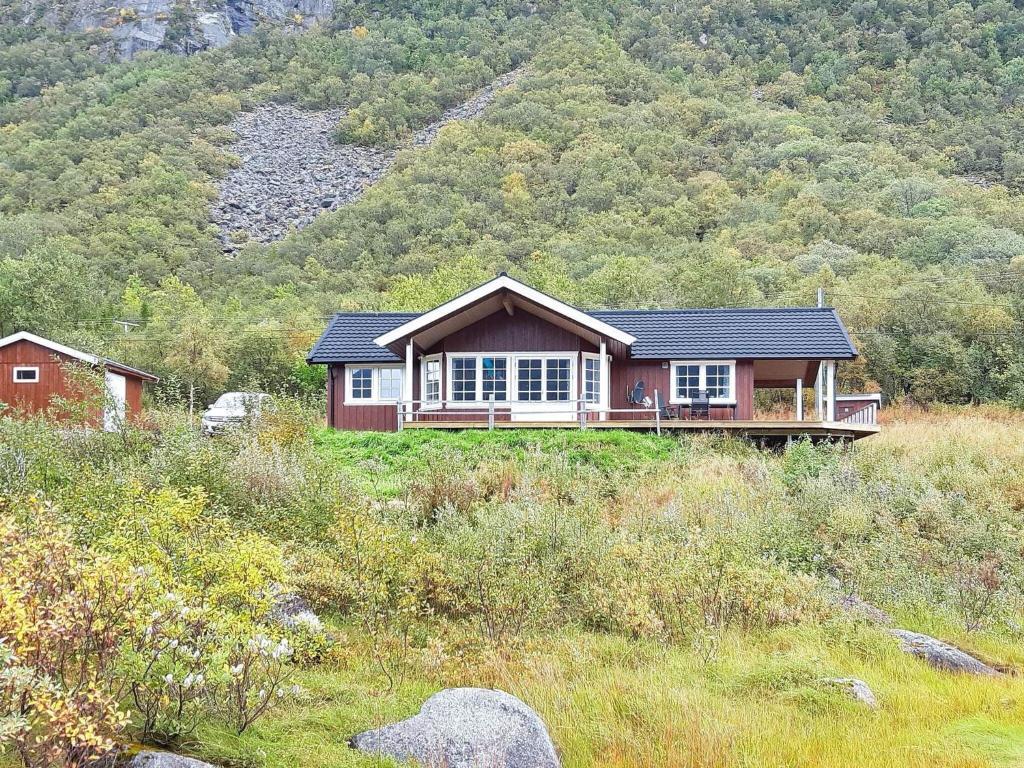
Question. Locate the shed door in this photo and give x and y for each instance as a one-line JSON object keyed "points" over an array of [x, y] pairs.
{"points": [[117, 391]]}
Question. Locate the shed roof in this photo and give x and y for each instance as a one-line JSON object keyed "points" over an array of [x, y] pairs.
{"points": [[661, 334], [85, 357]]}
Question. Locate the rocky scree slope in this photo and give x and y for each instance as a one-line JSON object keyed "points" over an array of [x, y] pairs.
{"points": [[170, 25], [292, 169]]}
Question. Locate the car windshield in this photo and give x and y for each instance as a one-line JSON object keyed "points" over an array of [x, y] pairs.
{"points": [[236, 400]]}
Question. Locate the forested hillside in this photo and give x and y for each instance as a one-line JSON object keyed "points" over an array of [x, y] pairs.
{"points": [[657, 153]]}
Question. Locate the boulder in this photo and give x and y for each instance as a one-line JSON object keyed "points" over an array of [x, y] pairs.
{"points": [[939, 654], [466, 728], [855, 689], [292, 611], [165, 760]]}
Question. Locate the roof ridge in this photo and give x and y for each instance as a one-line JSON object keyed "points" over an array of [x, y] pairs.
{"points": [[710, 309]]}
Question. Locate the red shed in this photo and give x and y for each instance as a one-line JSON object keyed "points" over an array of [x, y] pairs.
{"points": [[33, 372]]}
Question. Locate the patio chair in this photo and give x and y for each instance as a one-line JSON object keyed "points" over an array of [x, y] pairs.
{"points": [[700, 406]]}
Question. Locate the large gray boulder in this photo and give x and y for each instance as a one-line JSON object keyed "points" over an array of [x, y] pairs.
{"points": [[466, 728], [165, 760], [939, 654]]}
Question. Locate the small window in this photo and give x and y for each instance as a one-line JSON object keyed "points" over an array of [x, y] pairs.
{"points": [[26, 375], [531, 372], [592, 379], [687, 381], [718, 381], [432, 381], [362, 383], [463, 378], [495, 380], [558, 379], [391, 383]]}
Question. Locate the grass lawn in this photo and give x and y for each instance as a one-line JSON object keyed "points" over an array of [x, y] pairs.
{"points": [[616, 703]]}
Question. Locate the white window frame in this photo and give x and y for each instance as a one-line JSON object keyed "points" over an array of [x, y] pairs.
{"points": [[585, 356], [375, 398], [18, 368], [424, 362], [702, 382], [512, 372]]}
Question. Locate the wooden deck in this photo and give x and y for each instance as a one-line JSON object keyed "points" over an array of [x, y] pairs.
{"points": [[825, 430]]}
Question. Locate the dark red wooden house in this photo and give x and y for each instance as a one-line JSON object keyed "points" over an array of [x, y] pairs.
{"points": [[34, 370], [507, 355]]}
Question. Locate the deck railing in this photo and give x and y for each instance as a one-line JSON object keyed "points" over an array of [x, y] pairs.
{"points": [[867, 414], [579, 411]]}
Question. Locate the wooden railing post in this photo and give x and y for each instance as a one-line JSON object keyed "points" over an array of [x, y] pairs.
{"points": [[490, 412], [399, 412], [657, 412], [582, 412]]}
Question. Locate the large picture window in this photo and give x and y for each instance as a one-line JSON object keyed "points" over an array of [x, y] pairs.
{"points": [[717, 377], [517, 378]]}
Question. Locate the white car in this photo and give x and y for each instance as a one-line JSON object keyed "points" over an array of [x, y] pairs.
{"points": [[232, 409]]}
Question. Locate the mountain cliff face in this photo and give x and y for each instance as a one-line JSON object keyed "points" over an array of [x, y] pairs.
{"points": [[181, 26]]}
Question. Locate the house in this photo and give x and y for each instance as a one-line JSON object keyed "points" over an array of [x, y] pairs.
{"points": [[34, 370], [506, 355]]}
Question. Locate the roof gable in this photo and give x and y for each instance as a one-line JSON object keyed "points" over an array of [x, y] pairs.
{"points": [[75, 354], [503, 284]]}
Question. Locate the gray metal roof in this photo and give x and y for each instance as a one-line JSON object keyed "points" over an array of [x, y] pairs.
{"points": [[661, 334], [766, 333], [349, 337]]}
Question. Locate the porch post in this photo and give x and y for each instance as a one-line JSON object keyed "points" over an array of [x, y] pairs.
{"points": [[830, 381], [408, 381], [603, 399], [819, 392], [799, 399]]}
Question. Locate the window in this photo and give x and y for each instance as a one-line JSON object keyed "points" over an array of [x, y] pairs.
{"points": [[495, 378], [557, 379], [592, 379], [432, 380], [531, 373], [362, 384], [26, 375], [375, 384], [463, 378], [687, 381], [717, 377], [390, 384]]}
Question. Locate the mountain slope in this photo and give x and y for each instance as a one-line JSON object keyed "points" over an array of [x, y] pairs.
{"points": [[652, 154]]}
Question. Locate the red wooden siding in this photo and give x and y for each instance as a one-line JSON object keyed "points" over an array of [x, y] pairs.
{"points": [[521, 332], [657, 374], [37, 396], [378, 418]]}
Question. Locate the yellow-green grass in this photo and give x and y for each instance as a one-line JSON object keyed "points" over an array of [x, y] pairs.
{"points": [[617, 703]]}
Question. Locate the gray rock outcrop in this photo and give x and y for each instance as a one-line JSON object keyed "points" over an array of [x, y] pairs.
{"points": [[466, 728], [939, 654], [165, 760], [135, 26], [292, 169], [292, 611], [856, 689]]}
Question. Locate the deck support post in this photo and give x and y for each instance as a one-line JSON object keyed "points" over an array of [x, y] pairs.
{"points": [[490, 412], [799, 399], [604, 398], [408, 377], [657, 412]]}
